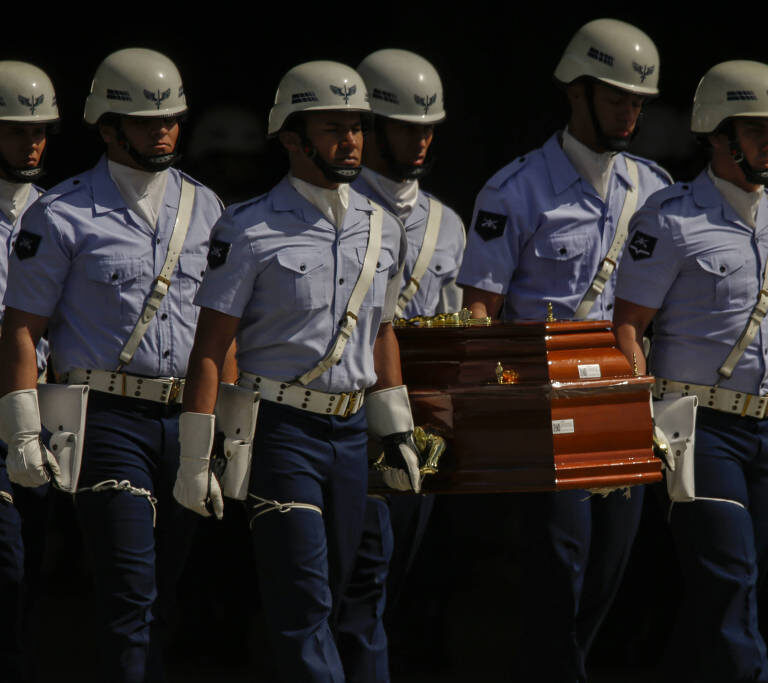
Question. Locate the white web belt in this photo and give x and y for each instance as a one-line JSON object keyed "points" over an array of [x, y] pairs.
{"points": [[428, 245], [608, 264]]}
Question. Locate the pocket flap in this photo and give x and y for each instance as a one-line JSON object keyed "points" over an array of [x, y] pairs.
{"points": [[112, 271]]}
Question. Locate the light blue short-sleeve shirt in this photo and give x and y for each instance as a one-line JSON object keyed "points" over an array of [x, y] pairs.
{"points": [[281, 267], [87, 262], [540, 231], [690, 256], [437, 292]]}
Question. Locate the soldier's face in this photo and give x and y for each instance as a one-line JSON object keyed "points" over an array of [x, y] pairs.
{"points": [[337, 136], [617, 111], [752, 134], [151, 136], [409, 142], [22, 144]]}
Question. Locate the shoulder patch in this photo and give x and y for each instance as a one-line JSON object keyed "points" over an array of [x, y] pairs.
{"points": [[27, 244], [500, 177], [218, 253], [490, 225], [641, 246]]}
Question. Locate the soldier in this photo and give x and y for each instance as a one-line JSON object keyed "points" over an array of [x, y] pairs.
{"points": [[550, 226], [406, 97], [294, 274], [695, 265], [93, 262], [27, 112]]}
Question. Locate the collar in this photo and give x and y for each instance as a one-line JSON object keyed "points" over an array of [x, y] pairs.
{"points": [[562, 172], [284, 197], [107, 197], [333, 204], [143, 191], [742, 202], [706, 195], [13, 198], [400, 197], [594, 167]]}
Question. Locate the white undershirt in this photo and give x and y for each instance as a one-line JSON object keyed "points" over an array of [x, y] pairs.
{"points": [[333, 204], [742, 202], [594, 167], [400, 196], [143, 191], [13, 198]]}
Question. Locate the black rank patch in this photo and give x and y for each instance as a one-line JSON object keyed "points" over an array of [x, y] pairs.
{"points": [[26, 244], [641, 246], [490, 225], [217, 253]]}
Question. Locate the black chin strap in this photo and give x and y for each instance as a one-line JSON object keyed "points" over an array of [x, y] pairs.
{"points": [[24, 174], [336, 174], [608, 143], [155, 163], [399, 170], [752, 175]]}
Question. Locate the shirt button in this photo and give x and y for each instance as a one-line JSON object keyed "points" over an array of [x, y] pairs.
{"points": [[166, 353], [164, 316], [302, 267], [114, 276], [563, 250], [341, 280], [438, 267], [609, 307], [722, 269]]}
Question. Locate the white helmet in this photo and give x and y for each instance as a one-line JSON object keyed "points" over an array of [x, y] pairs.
{"points": [[403, 86], [135, 82], [317, 86], [26, 94], [737, 88], [612, 52]]}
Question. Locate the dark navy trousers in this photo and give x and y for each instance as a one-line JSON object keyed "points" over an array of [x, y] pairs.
{"points": [[134, 441], [304, 555], [722, 544], [574, 550]]}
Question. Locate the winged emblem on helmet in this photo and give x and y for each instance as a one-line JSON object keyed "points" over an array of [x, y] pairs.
{"points": [[31, 102], [426, 101], [158, 98], [644, 70], [346, 93]]}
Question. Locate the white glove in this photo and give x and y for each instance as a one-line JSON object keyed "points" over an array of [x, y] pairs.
{"points": [[196, 486], [28, 461], [390, 420]]}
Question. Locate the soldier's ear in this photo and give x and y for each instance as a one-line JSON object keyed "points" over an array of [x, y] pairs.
{"points": [[290, 139]]}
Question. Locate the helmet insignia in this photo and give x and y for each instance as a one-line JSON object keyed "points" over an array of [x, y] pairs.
{"points": [[158, 97], [600, 56], [346, 93], [736, 95], [31, 102], [426, 101], [643, 70]]}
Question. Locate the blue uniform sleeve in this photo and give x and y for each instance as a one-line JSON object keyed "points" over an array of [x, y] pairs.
{"points": [[650, 262], [39, 264], [232, 269]]}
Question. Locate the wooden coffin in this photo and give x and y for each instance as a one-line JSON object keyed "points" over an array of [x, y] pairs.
{"points": [[576, 416]]}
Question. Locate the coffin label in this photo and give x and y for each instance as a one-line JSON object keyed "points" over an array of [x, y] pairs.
{"points": [[562, 426]]}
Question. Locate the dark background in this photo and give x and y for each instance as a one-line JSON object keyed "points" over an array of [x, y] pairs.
{"points": [[459, 619]]}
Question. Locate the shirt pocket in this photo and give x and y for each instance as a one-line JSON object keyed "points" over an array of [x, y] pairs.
{"points": [[302, 279], [377, 292], [189, 276], [565, 256], [441, 270], [114, 285], [725, 277]]}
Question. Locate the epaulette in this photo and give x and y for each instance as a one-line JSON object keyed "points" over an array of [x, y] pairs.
{"points": [[661, 197], [63, 189], [500, 177], [239, 207], [653, 165]]}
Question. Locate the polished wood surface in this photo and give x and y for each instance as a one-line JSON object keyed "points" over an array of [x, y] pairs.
{"points": [[500, 436]]}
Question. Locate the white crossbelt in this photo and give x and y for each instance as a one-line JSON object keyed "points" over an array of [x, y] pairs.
{"points": [[428, 245], [348, 323], [725, 400], [297, 396], [163, 281], [159, 390], [608, 264]]}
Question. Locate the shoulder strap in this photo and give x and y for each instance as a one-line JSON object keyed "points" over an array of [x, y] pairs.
{"points": [[608, 264], [750, 330], [363, 284], [163, 281], [425, 256]]}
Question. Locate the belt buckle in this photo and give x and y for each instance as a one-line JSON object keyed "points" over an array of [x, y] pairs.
{"points": [[175, 390], [345, 412]]}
